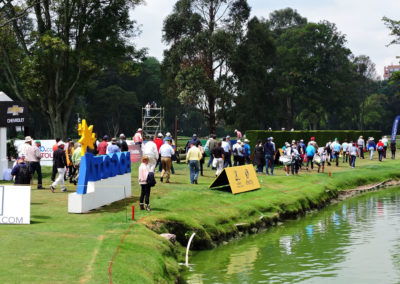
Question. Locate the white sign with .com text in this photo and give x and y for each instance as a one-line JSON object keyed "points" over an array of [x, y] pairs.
{"points": [[15, 204]]}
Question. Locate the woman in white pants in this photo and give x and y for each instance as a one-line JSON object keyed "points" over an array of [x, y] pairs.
{"points": [[218, 158], [60, 162]]}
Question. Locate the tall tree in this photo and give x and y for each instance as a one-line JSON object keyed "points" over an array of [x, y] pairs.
{"points": [[59, 45], [203, 35]]}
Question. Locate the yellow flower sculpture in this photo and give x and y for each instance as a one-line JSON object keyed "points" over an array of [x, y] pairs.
{"points": [[88, 138]]}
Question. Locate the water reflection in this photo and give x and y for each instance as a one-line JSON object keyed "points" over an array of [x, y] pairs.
{"points": [[354, 241]]}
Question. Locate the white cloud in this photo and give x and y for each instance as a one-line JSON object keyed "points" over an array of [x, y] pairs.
{"points": [[359, 20]]}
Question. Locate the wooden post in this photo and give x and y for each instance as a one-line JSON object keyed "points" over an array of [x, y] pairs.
{"points": [[176, 131]]}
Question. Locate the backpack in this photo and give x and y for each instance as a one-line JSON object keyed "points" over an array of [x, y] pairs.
{"points": [[151, 181], [24, 176]]}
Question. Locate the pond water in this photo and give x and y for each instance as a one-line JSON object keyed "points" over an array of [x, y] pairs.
{"points": [[355, 241]]}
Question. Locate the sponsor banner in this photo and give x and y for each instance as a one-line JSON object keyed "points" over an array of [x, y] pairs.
{"points": [[15, 205], [46, 150], [13, 114], [136, 153]]}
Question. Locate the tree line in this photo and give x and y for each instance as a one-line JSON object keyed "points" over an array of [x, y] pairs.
{"points": [[221, 70]]}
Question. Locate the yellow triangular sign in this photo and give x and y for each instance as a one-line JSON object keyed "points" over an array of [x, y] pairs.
{"points": [[239, 179]]}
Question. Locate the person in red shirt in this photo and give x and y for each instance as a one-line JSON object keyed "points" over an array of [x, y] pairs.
{"points": [[102, 148], [380, 147], [159, 142]]}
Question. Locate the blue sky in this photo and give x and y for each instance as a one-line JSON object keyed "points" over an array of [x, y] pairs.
{"points": [[359, 20]]}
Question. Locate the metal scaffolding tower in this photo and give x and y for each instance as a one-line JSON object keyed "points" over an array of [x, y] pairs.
{"points": [[152, 122]]}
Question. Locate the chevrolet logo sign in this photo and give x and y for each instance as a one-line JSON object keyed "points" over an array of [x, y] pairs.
{"points": [[15, 110]]}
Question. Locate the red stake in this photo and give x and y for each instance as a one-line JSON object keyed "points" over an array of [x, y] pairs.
{"points": [[133, 212], [330, 174]]}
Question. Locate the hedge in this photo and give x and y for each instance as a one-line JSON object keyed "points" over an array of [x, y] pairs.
{"points": [[321, 136]]}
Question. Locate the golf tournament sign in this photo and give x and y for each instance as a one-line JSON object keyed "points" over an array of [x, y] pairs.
{"points": [[15, 205], [13, 114], [238, 179]]}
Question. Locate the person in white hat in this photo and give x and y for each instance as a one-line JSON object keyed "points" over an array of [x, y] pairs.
{"points": [[23, 151], [138, 138], [122, 143], [238, 156]]}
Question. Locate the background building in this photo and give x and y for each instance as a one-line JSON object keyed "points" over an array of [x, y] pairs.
{"points": [[388, 70]]}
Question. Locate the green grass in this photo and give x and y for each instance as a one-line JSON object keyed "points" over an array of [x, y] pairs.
{"points": [[77, 248]]}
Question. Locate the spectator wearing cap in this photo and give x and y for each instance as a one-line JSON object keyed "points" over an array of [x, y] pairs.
{"points": [[238, 134], [103, 145], [113, 148], [247, 151], [385, 142], [122, 143], [60, 163], [21, 172], [54, 171], [168, 136], [25, 148], [33, 156], [193, 158], [137, 138], [269, 155], [159, 142], [193, 141], [238, 155], [166, 153], [313, 143]]}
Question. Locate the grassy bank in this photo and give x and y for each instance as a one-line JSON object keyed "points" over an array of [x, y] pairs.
{"points": [[66, 248]]}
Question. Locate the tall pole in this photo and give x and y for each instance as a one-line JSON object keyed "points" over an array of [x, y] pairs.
{"points": [[3, 140], [176, 131]]}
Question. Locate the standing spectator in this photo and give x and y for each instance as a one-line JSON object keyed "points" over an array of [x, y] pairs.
{"points": [[273, 145], [313, 143], [385, 142], [212, 143], [218, 155], [166, 152], [159, 142], [238, 134], [393, 148], [286, 158], [361, 147], [353, 149], [310, 151], [61, 163], [113, 148], [320, 158], [54, 170], [381, 149], [328, 147], [150, 150], [226, 144], [154, 104], [259, 156], [34, 156], [237, 151], [122, 143], [76, 161], [103, 145], [371, 147], [144, 171], [193, 141], [296, 160], [23, 151], [247, 151], [203, 154], [193, 158], [336, 150], [168, 136], [148, 107], [137, 138], [68, 153], [269, 155], [345, 149], [21, 172]]}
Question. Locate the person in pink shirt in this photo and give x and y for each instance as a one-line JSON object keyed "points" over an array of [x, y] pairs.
{"points": [[137, 138], [144, 170], [238, 134]]}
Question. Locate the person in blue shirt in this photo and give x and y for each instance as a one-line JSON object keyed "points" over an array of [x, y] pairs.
{"points": [[336, 150], [247, 151], [269, 155], [113, 148], [371, 147], [310, 151]]}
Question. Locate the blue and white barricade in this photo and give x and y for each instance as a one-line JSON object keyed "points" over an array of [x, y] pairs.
{"points": [[102, 180]]}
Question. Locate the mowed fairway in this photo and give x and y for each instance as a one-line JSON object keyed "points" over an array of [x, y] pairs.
{"points": [[58, 247]]}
